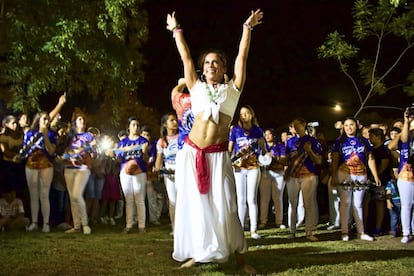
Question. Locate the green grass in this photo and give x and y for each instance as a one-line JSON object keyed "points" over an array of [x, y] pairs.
{"points": [[108, 252]]}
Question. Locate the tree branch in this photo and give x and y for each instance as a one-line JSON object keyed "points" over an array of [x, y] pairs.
{"points": [[352, 80]]}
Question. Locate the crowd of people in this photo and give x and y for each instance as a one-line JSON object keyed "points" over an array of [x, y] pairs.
{"points": [[214, 179]]}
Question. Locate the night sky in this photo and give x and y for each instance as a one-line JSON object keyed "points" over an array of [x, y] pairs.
{"points": [[285, 79]]}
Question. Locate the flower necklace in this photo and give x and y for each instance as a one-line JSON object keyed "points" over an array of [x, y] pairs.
{"points": [[212, 95]]}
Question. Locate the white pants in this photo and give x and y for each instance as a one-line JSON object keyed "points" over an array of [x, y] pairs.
{"points": [[308, 186], [134, 188], [354, 198], [39, 182], [272, 185], [406, 190], [169, 182], [334, 199], [247, 184], [76, 180], [300, 211], [207, 227]]}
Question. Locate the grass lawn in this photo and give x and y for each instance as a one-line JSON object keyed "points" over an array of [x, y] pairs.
{"points": [[108, 252]]}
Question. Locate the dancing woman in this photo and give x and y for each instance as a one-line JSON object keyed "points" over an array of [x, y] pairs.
{"points": [[40, 145], [204, 177]]}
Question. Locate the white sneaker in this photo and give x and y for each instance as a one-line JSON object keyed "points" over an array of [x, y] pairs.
{"points": [[282, 226], [104, 220], [112, 221], [32, 227], [312, 238], [345, 237], [366, 237], [299, 224], [405, 239], [255, 236], [332, 227], [86, 230], [46, 228]]}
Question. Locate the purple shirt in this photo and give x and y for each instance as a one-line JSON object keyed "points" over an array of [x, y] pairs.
{"points": [[278, 150], [136, 154], [243, 138], [294, 146], [404, 155], [33, 144], [352, 147]]}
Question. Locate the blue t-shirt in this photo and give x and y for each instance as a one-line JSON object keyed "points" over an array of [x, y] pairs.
{"points": [[278, 150], [33, 140], [244, 138], [404, 155], [351, 147], [136, 153], [294, 146], [81, 150]]}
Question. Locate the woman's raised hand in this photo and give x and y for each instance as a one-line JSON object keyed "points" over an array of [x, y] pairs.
{"points": [[171, 22], [255, 18]]}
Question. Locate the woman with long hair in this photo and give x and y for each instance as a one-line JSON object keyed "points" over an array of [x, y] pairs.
{"points": [[304, 154], [133, 153], [204, 178], [247, 137], [272, 183], [12, 167], [79, 151], [405, 181], [167, 147], [40, 145], [351, 158]]}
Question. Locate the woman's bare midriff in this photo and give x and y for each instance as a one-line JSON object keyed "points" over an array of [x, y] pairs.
{"points": [[207, 133]]}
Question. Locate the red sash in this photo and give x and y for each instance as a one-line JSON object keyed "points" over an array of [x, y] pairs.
{"points": [[202, 169]]}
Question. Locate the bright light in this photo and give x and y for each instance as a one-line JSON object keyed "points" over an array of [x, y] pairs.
{"points": [[105, 143], [337, 107]]}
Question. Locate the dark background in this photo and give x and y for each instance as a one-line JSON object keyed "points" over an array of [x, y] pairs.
{"points": [[285, 79]]}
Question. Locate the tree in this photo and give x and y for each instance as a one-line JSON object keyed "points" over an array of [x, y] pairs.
{"points": [[386, 23], [131, 106], [86, 48]]}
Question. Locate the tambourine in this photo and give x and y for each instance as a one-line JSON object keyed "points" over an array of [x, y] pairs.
{"points": [[349, 185], [265, 160]]}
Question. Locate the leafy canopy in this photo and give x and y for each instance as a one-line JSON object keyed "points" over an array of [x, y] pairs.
{"points": [[89, 49], [383, 24]]}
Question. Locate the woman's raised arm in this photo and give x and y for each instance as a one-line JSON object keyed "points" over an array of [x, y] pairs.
{"points": [[240, 64], [190, 73]]}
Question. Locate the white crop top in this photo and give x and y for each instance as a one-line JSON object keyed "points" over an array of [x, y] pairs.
{"points": [[204, 98]]}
